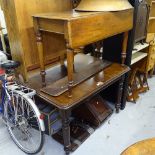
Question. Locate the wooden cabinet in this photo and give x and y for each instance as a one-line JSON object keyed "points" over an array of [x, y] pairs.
{"points": [[151, 38], [18, 16], [151, 24]]}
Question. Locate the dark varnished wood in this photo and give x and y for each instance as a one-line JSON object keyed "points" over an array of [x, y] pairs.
{"points": [[65, 114], [60, 86], [119, 95], [85, 90], [82, 91]]}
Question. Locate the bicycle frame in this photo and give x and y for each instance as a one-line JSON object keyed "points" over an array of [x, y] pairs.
{"points": [[19, 111], [4, 94], [27, 93]]}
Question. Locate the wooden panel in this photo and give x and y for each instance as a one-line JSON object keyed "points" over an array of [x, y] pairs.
{"points": [[150, 37], [151, 28], [149, 2], [151, 57], [84, 30], [18, 15], [152, 12], [54, 45]]}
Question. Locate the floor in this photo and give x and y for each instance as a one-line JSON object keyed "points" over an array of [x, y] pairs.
{"points": [[133, 124]]}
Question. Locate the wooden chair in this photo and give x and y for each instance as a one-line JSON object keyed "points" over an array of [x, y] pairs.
{"points": [[137, 84], [133, 93], [145, 147], [144, 86]]}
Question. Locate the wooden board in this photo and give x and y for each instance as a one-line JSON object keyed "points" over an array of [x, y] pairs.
{"points": [[61, 86], [83, 28], [151, 27], [83, 31]]}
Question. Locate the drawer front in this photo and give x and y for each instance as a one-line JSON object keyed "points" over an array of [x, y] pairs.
{"points": [[56, 26]]}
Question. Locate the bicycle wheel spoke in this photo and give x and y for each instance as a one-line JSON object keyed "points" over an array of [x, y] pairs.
{"points": [[23, 125]]}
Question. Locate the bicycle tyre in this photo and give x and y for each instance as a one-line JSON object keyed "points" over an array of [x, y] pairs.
{"points": [[13, 116]]}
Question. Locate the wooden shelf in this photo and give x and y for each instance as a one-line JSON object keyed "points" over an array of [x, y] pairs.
{"points": [[152, 18], [137, 57], [138, 47]]}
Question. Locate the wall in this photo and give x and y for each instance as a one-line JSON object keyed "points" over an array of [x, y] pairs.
{"points": [[2, 20]]}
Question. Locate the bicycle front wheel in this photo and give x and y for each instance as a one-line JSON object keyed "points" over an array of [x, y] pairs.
{"points": [[23, 124]]}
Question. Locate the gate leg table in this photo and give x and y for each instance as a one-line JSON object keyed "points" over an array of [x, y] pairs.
{"points": [[80, 29]]}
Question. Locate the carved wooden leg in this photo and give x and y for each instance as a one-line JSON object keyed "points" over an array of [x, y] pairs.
{"points": [[41, 58], [70, 69], [151, 72], [145, 80], [124, 47], [65, 114], [119, 95]]}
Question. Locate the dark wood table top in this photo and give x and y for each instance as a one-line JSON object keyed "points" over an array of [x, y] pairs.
{"points": [[82, 91]]}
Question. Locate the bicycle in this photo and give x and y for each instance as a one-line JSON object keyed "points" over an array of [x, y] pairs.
{"points": [[23, 120]]}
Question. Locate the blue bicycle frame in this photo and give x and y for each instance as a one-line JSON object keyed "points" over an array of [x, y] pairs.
{"points": [[3, 95]]}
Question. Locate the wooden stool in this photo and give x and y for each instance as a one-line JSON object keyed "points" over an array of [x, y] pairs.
{"points": [[146, 147]]}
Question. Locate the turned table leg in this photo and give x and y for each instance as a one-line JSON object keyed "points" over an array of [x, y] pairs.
{"points": [[70, 69], [124, 47], [65, 114], [119, 95], [62, 59], [41, 58]]}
